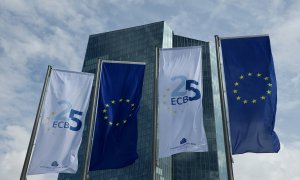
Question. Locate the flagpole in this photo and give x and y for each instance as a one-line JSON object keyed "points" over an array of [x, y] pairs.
{"points": [[35, 126], [229, 160], [155, 110], [85, 175]]}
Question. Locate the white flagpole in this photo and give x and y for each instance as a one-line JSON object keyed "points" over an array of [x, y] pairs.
{"points": [[224, 116], [85, 175], [35, 126], [155, 109]]}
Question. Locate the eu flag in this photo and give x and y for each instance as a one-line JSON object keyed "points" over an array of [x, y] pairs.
{"points": [[115, 135], [251, 94]]}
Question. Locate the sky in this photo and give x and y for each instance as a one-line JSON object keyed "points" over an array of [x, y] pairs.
{"points": [[35, 34]]}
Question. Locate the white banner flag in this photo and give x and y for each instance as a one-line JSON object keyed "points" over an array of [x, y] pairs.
{"points": [[61, 123], [180, 114]]}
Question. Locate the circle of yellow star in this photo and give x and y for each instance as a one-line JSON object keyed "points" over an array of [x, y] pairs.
{"points": [[237, 92], [113, 101]]}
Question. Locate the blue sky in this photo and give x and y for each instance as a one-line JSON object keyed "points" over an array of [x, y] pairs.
{"points": [[36, 33]]}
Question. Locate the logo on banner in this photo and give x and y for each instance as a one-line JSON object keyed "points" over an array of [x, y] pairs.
{"points": [[54, 164], [183, 140], [184, 91], [65, 118]]}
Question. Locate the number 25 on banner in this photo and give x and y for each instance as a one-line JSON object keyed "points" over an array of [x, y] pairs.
{"points": [[179, 95]]}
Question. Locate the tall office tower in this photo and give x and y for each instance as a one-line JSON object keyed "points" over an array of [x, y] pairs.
{"points": [[138, 44]]}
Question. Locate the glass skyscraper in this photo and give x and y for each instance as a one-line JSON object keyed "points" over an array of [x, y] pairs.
{"points": [[138, 44]]}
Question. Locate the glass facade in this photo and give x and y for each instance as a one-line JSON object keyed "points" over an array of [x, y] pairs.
{"points": [[138, 44]]}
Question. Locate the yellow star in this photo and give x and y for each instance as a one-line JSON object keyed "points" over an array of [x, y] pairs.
{"points": [[254, 101], [235, 91], [104, 110], [132, 109], [269, 84], [266, 78], [117, 124], [132, 105], [168, 89], [127, 100], [130, 115], [241, 77], [124, 121], [106, 105], [110, 123], [245, 101], [258, 75], [238, 98], [53, 113], [164, 102], [268, 91], [164, 95], [120, 100], [113, 101], [236, 84], [105, 117], [249, 74], [263, 98]]}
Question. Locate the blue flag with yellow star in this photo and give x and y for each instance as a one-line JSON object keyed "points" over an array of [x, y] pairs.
{"points": [[251, 94], [115, 135]]}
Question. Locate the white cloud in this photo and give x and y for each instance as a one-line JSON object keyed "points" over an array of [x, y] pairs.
{"points": [[34, 34], [15, 143], [281, 166]]}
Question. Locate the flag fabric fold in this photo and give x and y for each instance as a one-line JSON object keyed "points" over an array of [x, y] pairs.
{"points": [[61, 123], [180, 112], [251, 94], [115, 135]]}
